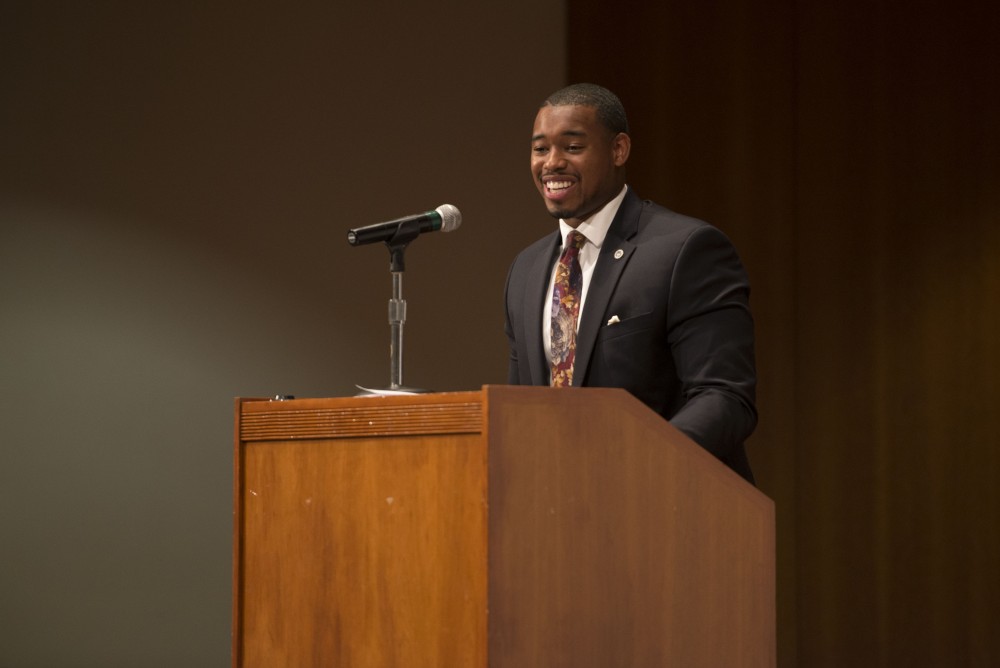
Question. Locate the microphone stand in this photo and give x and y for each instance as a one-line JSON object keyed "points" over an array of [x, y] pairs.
{"points": [[405, 233]]}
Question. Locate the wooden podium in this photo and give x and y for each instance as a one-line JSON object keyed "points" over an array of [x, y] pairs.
{"points": [[512, 527]]}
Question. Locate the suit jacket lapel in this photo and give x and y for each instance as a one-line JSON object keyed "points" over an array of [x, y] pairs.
{"points": [[610, 265], [535, 300]]}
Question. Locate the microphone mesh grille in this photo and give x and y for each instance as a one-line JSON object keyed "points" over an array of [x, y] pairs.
{"points": [[451, 217]]}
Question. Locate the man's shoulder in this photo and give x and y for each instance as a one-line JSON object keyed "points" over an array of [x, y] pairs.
{"points": [[539, 246], [655, 220], [527, 261]]}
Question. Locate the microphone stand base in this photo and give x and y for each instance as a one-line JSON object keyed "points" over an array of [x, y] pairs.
{"points": [[389, 391]]}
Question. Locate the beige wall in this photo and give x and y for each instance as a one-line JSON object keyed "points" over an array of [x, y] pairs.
{"points": [[177, 182]]}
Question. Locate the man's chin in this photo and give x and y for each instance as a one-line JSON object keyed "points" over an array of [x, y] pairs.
{"points": [[558, 213]]}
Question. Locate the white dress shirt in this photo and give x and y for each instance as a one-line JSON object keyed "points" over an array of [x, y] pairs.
{"points": [[595, 229]]}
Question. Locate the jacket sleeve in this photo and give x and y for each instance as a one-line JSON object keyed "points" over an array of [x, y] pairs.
{"points": [[710, 333]]}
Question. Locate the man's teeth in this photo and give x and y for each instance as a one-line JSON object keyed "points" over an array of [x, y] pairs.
{"points": [[558, 185]]}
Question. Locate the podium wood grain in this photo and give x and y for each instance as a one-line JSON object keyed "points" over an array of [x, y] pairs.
{"points": [[512, 527]]}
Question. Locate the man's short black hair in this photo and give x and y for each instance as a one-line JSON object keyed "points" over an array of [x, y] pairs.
{"points": [[610, 111]]}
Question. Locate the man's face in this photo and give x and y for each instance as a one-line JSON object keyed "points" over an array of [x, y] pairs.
{"points": [[575, 161]]}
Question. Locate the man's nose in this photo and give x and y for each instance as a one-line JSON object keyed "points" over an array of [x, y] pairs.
{"points": [[555, 160]]}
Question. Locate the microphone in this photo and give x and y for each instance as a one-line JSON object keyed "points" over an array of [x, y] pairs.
{"points": [[445, 218]]}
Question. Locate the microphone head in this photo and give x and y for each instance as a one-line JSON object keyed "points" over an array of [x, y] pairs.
{"points": [[451, 217]]}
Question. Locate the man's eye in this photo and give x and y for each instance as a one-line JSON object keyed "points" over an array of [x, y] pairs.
{"points": [[574, 148], [539, 149]]}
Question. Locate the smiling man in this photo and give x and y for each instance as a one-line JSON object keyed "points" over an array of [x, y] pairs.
{"points": [[627, 293]]}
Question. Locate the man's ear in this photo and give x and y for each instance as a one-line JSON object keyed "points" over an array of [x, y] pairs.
{"points": [[621, 145]]}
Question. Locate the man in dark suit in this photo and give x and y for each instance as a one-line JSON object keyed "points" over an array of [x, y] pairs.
{"points": [[653, 302]]}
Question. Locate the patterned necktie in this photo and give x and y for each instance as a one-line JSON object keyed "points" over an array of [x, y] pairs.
{"points": [[565, 309]]}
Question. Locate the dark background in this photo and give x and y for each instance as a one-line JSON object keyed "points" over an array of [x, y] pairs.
{"points": [[177, 180], [852, 151]]}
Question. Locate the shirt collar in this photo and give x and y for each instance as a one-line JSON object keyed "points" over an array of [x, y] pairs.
{"points": [[596, 227]]}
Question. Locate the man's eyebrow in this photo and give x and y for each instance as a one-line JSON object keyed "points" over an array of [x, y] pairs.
{"points": [[567, 133]]}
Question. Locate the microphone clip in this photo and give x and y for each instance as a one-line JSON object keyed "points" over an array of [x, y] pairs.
{"points": [[407, 231]]}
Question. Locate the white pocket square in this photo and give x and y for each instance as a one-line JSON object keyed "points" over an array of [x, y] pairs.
{"points": [[613, 320]]}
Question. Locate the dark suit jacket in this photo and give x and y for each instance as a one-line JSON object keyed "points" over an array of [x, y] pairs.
{"points": [[684, 341]]}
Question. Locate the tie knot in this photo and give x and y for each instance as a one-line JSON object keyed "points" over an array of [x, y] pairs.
{"points": [[575, 240]]}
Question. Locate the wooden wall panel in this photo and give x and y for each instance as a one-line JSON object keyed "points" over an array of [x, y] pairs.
{"points": [[852, 153]]}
